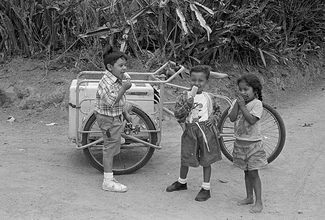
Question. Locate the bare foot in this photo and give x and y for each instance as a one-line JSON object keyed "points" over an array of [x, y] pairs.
{"points": [[245, 201], [257, 208]]}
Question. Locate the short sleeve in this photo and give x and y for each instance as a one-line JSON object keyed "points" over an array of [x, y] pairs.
{"points": [[106, 92], [257, 109]]}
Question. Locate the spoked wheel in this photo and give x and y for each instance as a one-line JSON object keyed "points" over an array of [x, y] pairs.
{"points": [[272, 129], [133, 155]]}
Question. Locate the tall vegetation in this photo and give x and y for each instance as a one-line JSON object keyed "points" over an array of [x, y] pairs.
{"points": [[203, 31]]}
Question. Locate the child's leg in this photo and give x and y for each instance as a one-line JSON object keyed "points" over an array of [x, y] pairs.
{"points": [[181, 183], [204, 193], [108, 163], [249, 191], [183, 172], [206, 177], [188, 158], [206, 174], [257, 186], [112, 143]]}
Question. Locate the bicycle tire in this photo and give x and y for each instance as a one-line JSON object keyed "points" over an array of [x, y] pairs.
{"points": [[273, 153], [95, 155]]}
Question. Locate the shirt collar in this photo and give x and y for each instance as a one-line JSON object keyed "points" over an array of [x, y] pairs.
{"points": [[112, 77]]}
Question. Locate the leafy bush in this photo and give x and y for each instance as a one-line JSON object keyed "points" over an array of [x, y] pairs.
{"points": [[303, 26], [206, 31]]}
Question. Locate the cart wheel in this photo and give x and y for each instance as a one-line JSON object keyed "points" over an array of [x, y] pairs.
{"points": [[133, 155], [272, 128]]}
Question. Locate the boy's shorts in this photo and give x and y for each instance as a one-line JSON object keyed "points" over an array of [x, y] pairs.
{"points": [[249, 155], [115, 126], [194, 150]]}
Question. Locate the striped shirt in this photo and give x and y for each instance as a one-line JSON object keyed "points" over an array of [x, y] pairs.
{"points": [[106, 95]]}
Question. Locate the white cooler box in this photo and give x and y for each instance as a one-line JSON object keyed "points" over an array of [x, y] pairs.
{"points": [[140, 93]]}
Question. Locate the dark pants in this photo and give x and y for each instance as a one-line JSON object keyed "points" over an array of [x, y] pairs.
{"points": [[195, 150]]}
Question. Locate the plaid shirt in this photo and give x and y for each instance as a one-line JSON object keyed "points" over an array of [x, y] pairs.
{"points": [[106, 95], [182, 109]]}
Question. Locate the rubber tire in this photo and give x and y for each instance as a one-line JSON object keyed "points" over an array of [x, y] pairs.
{"points": [[153, 137], [282, 134]]}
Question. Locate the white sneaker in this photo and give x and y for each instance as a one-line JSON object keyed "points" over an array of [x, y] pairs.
{"points": [[122, 140], [113, 186]]}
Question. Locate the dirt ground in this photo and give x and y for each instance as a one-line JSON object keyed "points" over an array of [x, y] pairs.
{"points": [[43, 176]]}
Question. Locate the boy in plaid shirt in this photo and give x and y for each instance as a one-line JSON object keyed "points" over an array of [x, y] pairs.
{"points": [[109, 104], [198, 116]]}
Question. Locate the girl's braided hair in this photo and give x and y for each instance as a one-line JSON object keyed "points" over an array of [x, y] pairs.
{"points": [[110, 56], [254, 82]]}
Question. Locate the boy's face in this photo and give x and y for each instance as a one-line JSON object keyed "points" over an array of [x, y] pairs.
{"points": [[118, 69], [199, 80]]}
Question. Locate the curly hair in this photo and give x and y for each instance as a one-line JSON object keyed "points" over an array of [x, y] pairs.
{"points": [[110, 56], [201, 69], [254, 82]]}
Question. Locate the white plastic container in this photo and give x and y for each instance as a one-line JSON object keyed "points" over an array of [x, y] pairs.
{"points": [[143, 95], [140, 93]]}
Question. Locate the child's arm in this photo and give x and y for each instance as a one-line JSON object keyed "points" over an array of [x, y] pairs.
{"points": [[127, 85], [183, 106], [251, 119], [234, 112], [126, 112], [109, 97]]}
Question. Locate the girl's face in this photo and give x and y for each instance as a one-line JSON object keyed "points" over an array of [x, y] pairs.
{"points": [[199, 80], [118, 69], [246, 91]]}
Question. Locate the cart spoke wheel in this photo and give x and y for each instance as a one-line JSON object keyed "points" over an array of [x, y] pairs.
{"points": [[133, 155]]}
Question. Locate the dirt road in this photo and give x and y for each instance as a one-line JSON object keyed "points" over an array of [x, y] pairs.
{"points": [[44, 177]]}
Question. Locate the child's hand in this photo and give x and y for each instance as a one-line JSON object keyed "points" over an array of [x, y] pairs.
{"points": [[240, 101], [210, 122], [190, 102], [127, 85], [127, 117]]}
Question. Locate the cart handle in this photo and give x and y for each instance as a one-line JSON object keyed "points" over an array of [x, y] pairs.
{"points": [[152, 74], [157, 80]]}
